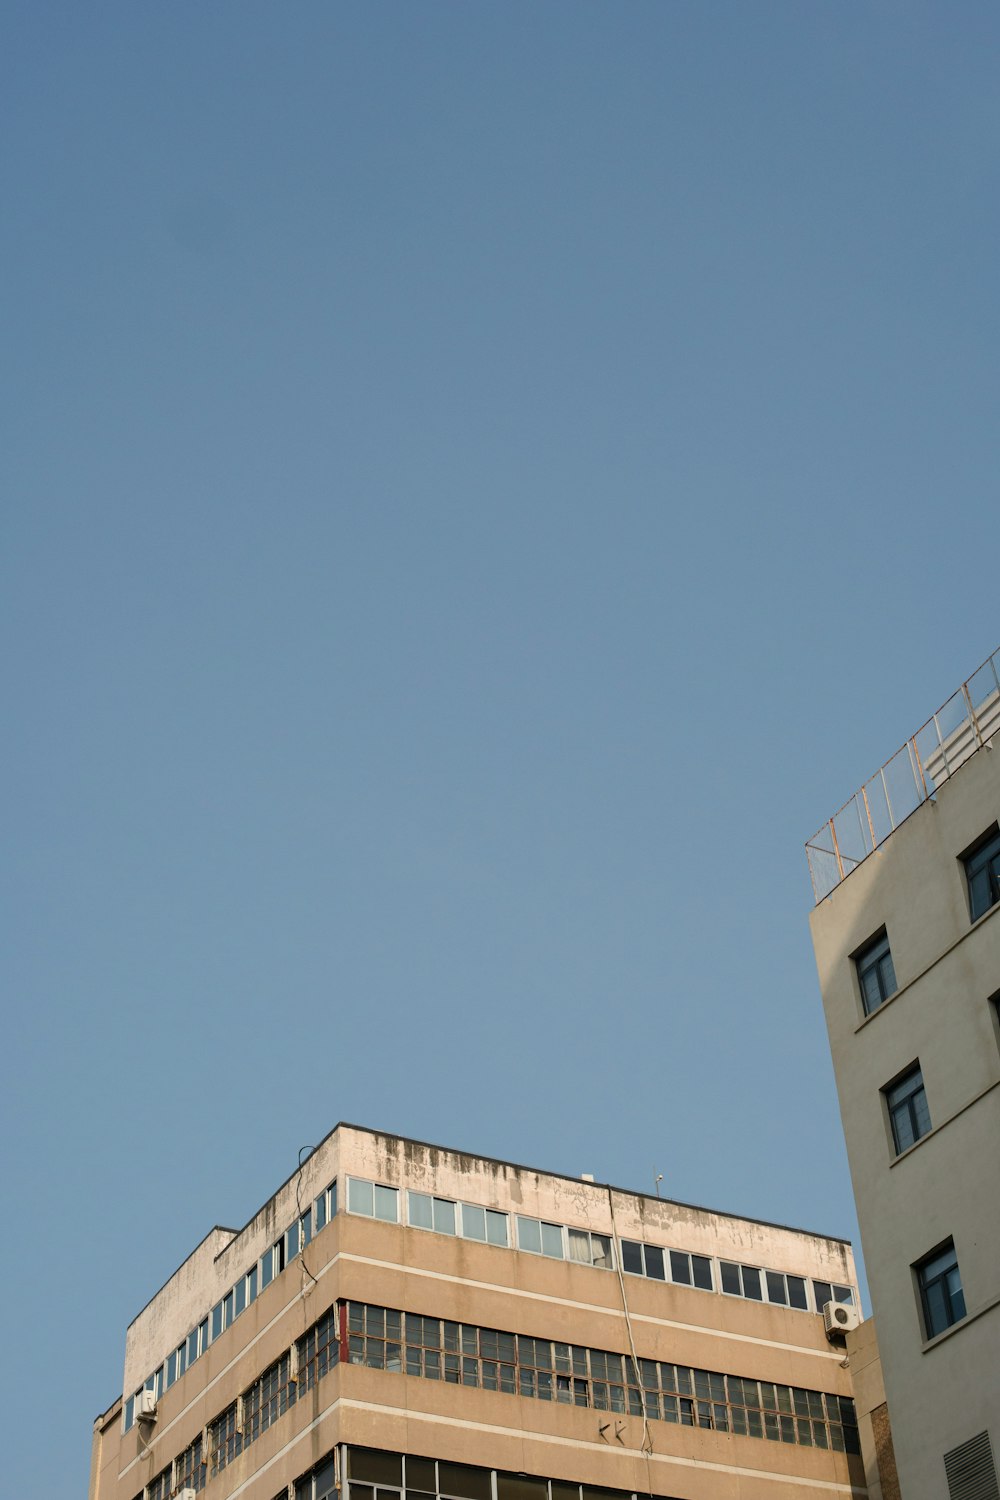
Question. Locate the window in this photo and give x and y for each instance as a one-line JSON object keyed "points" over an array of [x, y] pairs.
{"points": [[741, 1281], [788, 1291], [824, 1292], [319, 1349], [643, 1260], [909, 1116], [691, 1270], [590, 1249], [982, 871], [159, 1488], [426, 1212], [190, 1474], [321, 1484], [268, 1398], [539, 1237], [941, 1294], [484, 1224], [373, 1200], [876, 975], [225, 1439]]}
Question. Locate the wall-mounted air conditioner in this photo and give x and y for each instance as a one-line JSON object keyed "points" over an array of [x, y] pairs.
{"points": [[839, 1317], [145, 1406]]}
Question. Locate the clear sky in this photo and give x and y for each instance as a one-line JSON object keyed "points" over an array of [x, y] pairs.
{"points": [[482, 483]]}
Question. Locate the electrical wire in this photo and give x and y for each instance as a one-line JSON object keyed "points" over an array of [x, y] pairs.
{"points": [[298, 1208], [647, 1436]]}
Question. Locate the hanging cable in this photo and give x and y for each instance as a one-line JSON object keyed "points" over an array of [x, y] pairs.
{"points": [[647, 1436], [298, 1224]]}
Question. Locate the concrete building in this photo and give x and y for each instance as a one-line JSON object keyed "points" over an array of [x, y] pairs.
{"points": [[399, 1317], [907, 939]]}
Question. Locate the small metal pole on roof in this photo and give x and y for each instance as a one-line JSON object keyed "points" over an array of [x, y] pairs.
{"points": [[868, 815], [912, 742], [836, 849], [972, 713], [656, 1182], [888, 801]]}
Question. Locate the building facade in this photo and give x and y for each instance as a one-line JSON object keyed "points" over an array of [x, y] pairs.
{"points": [[403, 1318], [907, 942]]}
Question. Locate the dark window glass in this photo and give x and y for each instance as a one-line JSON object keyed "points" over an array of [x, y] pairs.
{"points": [[632, 1257], [420, 1475], [375, 1466], [654, 1263], [730, 1278], [797, 1291], [680, 1267], [520, 1487], [876, 974], [941, 1290], [751, 1283], [982, 870], [776, 1287], [463, 1480], [908, 1112], [702, 1268], [823, 1292]]}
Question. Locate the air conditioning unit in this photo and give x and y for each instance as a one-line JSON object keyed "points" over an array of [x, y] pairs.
{"points": [[145, 1406], [839, 1317], [187, 1495]]}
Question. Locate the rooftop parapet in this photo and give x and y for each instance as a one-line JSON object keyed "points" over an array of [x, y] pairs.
{"points": [[913, 775]]}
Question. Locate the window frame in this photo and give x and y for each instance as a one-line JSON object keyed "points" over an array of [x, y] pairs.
{"points": [[894, 1107], [983, 858], [953, 1296], [869, 961]]}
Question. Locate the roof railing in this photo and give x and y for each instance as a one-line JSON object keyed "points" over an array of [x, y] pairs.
{"points": [[960, 727]]}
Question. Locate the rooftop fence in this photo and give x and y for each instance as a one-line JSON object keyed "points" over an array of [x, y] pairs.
{"points": [[960, 727]]}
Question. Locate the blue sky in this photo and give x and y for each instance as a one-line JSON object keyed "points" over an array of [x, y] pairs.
{"points": [[482, 484]]}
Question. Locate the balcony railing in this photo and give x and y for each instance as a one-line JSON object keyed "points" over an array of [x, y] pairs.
{"points": [[960, 727]]}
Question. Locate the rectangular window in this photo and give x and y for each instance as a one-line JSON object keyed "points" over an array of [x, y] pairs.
{"points": [[225, 1439], [876, 974], [190, 1473], [982, 871], [268, 1398], [743, 1281], [590, 1249], [941, 1294], [159, 1488], [909, 1116], [319, 1349], [360, 1197], [540, 1237], [426, 1212], [824, 1292], [691, 1270]]}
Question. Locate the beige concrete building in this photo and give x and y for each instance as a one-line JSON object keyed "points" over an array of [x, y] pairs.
{"points": [[907, 941], [400, 1317]]}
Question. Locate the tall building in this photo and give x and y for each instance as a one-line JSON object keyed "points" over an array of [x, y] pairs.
{"points": [[398, 1317], [907, 939]]}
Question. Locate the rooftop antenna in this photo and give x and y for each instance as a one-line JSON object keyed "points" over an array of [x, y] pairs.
{"points": [[656, 1182]]}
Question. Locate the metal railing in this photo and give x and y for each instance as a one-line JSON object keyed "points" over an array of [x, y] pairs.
{"points": [[960, 727]]}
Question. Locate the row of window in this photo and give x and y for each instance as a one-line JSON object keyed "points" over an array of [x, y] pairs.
{"points": [[562, 1242], [462, 1354], [239, 1297], [873, 963], [488, 1226], [398, 1476], [385, 1338]]}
